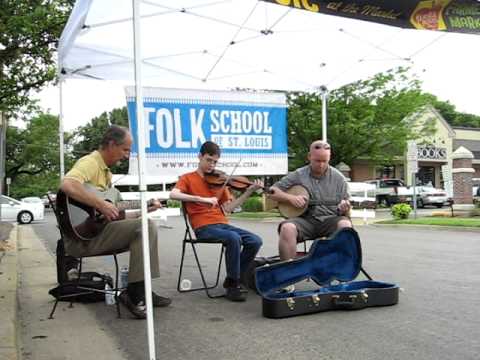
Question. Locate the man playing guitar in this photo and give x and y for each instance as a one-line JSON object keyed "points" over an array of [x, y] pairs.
{"points": [[117, 235]]}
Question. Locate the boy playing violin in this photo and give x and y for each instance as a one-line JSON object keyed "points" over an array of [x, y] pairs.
{"points": [[206, 206]]}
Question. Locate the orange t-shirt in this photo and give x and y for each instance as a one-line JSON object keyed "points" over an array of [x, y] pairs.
{"points": [[201, 214]]}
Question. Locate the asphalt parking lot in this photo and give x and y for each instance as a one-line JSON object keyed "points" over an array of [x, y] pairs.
{"points": [[436, 318]]}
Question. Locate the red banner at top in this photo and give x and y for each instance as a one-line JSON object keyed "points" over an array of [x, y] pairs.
{"points": [[442, 15]]}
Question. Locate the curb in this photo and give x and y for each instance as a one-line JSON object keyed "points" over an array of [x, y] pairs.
{"points": [[8, 299], [431, 227]]}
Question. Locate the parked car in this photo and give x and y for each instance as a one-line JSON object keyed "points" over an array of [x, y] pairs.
{"points": [[362, 195], [32, 200], [45, 200], [431, 196], [476, 191], [22, 212], [386, 190]]}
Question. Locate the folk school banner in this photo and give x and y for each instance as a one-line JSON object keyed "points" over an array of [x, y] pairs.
{"points": [[250, 128]]}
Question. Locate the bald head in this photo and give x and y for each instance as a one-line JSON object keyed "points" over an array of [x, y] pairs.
{"points": [[319, 145], [319, 157]]}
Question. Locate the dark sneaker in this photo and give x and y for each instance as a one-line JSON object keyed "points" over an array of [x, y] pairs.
{"points": [[233, 290], [229, 283], [137, 310], [160, 301], [235, 294]]}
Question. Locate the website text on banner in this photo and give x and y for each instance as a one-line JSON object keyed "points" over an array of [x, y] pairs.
{"points": [[250, 128]]}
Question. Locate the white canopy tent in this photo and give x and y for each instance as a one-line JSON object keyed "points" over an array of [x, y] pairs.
{"points": [[230, 44], [245, 44]]}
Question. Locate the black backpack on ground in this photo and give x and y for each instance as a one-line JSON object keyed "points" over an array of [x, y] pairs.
{"points": [[89, 288]]}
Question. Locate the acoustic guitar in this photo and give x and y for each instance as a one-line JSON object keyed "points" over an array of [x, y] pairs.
{"points": [[82, 222], [288, 211]]}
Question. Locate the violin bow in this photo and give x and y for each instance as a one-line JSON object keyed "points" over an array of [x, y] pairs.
{"points": [[230, 176], [227, 180]]}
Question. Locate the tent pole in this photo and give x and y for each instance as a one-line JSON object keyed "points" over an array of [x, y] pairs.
{"points": [[60, 129], [141, 175], [324, 91]]}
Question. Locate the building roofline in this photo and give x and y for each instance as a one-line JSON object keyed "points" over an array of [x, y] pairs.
{"points": [[449, 128], [465, 128]]}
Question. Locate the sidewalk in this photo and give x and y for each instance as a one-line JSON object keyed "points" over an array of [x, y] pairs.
{"points": [[8, 296], [28, 272]]}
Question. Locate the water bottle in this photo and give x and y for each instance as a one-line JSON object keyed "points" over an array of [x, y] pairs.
{"points": [[123, 277], [109, 295], [72, 274]]}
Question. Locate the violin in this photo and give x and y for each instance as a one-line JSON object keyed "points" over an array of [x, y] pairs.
{"points": [[219, 178]]}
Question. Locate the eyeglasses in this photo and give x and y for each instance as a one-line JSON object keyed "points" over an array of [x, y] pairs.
{"points": [[211, 161], [322, 145]]}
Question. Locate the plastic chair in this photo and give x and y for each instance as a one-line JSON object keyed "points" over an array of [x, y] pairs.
{"points": [[115, 291], [190, 238]]}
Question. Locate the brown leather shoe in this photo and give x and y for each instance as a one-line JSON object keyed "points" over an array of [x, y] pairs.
{"points": [[137, 310]]}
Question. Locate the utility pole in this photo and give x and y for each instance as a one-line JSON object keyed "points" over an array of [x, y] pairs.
{"points": [[3, 132]]}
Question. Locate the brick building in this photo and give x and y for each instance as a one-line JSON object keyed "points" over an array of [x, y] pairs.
{"points": [[434, 154]]}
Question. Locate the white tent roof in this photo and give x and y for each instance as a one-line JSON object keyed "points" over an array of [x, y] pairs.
{"points": [[251, 44]]}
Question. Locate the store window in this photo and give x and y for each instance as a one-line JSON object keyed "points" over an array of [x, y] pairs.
{"points": [[385, 172], [426, 175]]}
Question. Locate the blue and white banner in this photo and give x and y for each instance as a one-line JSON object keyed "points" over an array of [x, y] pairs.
{"points": [[250, 128]]}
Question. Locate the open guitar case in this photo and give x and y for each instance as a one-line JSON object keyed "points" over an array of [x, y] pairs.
{"points": [[337, 260]]}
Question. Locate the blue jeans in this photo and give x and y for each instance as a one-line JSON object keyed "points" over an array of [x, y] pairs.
{"points": [[234, 238]]}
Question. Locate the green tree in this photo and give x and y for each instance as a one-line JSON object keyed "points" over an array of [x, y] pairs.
{"points": [[367, 118], [451, 115], [32, 161], [29, 32], [87, 138]]}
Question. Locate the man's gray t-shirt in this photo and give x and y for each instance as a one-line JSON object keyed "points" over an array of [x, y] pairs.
{"points": [[328, 189]]}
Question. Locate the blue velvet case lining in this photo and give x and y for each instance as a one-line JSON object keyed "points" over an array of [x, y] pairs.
{"points": [[338, 258]]}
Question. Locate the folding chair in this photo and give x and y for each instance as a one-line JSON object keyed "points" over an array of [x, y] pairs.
{"points": [[85, 290], [189, 238]]}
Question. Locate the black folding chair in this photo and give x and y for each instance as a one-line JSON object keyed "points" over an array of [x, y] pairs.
{"points": [[82, 289], [190, 238]]}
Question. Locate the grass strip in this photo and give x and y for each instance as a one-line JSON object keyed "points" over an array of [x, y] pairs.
{"points": [[455, 221]]}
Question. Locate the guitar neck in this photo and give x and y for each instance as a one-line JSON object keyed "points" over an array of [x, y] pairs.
{"points": [[131, 204]]}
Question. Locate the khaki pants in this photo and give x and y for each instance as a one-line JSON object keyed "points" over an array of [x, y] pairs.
{"points": [[120, 236]]}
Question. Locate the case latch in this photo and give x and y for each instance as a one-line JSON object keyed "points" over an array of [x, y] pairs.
{"points": [[316, 300], [290, 303]]}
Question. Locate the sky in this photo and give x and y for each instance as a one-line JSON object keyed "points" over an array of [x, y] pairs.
{"points": [[305, 50]]}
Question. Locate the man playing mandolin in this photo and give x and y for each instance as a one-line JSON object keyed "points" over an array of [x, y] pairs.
{"points": [[118, 235], [206, 205], [326, 202]]}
